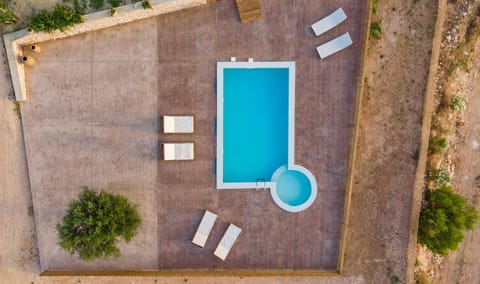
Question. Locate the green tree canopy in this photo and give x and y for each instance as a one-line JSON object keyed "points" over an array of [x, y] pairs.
{"points": [[93, 223], [444, 219]]}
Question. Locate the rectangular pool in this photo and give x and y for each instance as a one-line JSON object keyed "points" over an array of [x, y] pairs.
{"points": [[255, 122]]}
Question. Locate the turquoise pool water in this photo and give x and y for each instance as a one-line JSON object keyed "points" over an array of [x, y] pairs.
{"points": [[293, 187], [255, 123]]}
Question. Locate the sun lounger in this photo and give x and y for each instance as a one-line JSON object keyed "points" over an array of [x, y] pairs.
{"points": [[227, 241], [178, 124], [204, 228], [178, 151], [334, 45], [329, 22], [249, 10]]}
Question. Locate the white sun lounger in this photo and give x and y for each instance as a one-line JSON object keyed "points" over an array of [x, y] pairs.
{"points": [[329, 22], [178, 151], [204, 228], [335, 45], [227, 241], [178, 124]]}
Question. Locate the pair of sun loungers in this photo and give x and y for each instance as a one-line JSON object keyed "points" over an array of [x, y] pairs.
{"points": [[326, 24], [180, 124], [227, 241]]}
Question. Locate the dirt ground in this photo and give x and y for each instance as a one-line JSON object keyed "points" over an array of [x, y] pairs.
{"points": [[458, 75], [389, 135]]}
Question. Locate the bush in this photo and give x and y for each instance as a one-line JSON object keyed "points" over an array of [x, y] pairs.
{"points": [[437, 145], [93, 223], [115, 3], [6, 15], [444, 219], [97, 4], [146, 4], [376, 29], [61, 18], [457, 103], [440, 177]]}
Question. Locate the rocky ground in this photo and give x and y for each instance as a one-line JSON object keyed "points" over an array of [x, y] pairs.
{"points": [[458, 77]]}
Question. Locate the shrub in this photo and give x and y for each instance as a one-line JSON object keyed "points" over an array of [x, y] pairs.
{"points": [[421, 277], [6, 15], [440, 177], [115, 3], [93, 223], [444, 219], [437, 145], [97, 4], [374, 6], [457, 103], [61, 18], [146, 4], [376, 29]]}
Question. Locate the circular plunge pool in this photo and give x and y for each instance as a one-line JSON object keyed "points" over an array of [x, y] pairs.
{"points": [[295, 188]]}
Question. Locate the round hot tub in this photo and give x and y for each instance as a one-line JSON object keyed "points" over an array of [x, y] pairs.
{"points": [[295, 188]]}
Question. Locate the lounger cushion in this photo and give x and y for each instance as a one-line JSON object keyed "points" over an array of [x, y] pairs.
{"points": [[203, 230], [335, 45], [178, 151], [329, 22], [177, 124], [227, 241]]}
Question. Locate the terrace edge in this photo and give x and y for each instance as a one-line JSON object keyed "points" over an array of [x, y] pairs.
{"points": [[13, 43], [94, 21]]}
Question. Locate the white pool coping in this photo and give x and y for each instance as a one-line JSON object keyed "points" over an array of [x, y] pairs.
{"points": [[272, 184], [291, 118]]}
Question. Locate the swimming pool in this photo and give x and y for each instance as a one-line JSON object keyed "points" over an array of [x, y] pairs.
{"points": [[255, 132]]}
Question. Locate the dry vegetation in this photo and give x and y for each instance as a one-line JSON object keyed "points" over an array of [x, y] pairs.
{"points": [[452, 137]]}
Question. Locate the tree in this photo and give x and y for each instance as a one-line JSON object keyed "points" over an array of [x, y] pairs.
{"points": [[443, 221], [94, 222]]}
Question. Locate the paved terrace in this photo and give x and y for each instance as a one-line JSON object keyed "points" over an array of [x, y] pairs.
{"points": [[93, 118]]}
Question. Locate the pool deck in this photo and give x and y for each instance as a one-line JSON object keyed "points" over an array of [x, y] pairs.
{"points": [[93, 118]]}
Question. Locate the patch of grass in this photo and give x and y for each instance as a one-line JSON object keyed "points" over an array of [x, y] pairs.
{"points": [[437, 145], [376, 29], [6, 15], [457, 103]]}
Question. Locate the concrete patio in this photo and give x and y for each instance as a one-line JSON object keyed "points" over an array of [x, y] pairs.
{"points": [[93, 118]]}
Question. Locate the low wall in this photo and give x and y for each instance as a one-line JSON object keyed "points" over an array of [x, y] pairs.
{"points": [[428, 106], [99, 20]]}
